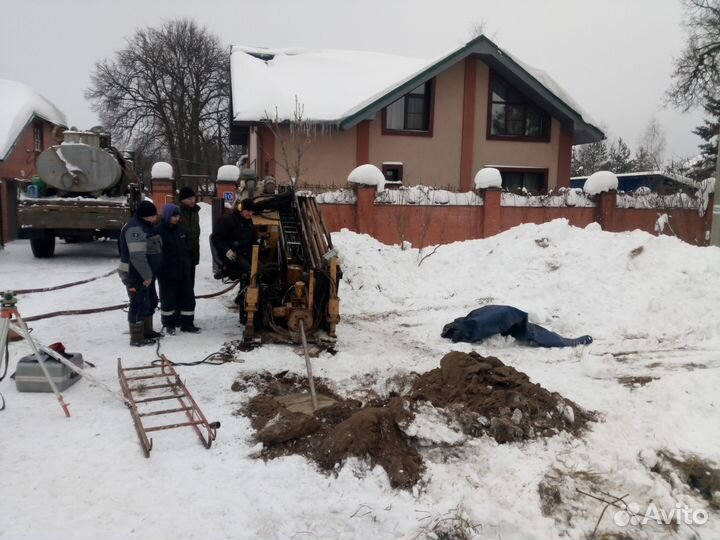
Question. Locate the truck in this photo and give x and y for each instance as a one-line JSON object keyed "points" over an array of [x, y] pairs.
{"points": [[86, 190]]}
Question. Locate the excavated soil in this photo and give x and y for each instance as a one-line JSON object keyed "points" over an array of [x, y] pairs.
{"points": [[483, 395], [487, 397]]}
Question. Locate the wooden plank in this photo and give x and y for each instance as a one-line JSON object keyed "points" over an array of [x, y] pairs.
{"points": [[302, 402]]}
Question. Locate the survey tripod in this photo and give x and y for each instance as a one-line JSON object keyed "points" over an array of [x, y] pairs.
{"points": [[9, 313], [10, 319]]}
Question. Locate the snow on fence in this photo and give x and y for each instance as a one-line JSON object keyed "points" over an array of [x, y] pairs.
{"points": [[426, 215]]}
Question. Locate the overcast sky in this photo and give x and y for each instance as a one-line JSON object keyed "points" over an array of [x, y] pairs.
{"points": [[614, 57]]}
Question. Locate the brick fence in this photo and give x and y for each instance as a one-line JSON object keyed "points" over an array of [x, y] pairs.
{"points": [[442, 224]]}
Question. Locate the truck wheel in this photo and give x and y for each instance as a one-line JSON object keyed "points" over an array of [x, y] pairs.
{"points": [[43, 247]]}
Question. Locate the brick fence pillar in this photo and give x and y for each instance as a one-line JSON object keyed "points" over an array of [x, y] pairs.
{"points": [[606, 205], [223, 187], [163, 192], [364, 209], [491, 211]]}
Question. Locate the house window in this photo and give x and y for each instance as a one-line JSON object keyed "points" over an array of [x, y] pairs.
{"points": [[514, 116], [38, 137], [392, 171], [533, 181], [412, 113]]}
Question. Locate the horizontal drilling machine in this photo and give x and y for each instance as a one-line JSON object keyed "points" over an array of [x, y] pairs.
{"points": [[292, 287]]}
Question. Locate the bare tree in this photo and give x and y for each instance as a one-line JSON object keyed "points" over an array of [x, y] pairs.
{"points": [[294, 137], [697, 72], [169, 85], [651, 147]]}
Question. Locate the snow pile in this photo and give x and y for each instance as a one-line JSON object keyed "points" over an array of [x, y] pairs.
{"points": [[367, 175], [427, 195], [161, 171], [565, 197], [661, 223], [338, 196], [488, 177], [228, 173], [599, 182], [18, 105], [643, 197]]}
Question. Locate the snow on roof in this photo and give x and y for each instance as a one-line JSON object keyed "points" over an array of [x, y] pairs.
{"points": [[327, 83], [334, 84], [18, 105]]}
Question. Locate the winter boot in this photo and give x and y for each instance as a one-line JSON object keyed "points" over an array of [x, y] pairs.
{"points": [[148, 331], [190, 328], [137, 338]]}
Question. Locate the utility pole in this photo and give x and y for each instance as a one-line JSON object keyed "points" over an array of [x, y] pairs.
{"points": [[715, 224]]}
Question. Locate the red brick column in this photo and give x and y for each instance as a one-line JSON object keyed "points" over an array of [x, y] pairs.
{"points": [[225, 186], [468, 124], [564, 159], [362, 143], [606, 205], [364, 209], [163, 192], [491, 211]]}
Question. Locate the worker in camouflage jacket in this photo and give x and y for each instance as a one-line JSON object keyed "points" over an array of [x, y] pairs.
{"points": [[177, 296], [140, 259], [190, 219]]}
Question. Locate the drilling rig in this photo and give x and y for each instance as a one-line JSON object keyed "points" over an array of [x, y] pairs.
{"points": [[292, 288]]}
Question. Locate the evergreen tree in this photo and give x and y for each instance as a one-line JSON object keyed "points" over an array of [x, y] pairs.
{"points": [[704, 166], [589, 158], [619, 160]]}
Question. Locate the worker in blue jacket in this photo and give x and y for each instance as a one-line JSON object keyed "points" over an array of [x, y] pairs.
{"points": [[177, 297], [140, 259]]}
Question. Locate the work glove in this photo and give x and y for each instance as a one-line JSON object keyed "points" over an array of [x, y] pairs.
{"points": [[231, 255]]}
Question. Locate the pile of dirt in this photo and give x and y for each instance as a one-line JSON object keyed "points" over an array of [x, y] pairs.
{"points": [[482, 394], [333, 434], [487, 397]]}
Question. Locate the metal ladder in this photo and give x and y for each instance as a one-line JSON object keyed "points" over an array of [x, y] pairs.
{"points": [[169, 387]]}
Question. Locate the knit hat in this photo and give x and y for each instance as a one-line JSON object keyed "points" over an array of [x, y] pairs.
{"points": [[247, 204], [169, 210], [185, 193], [146, 209]]}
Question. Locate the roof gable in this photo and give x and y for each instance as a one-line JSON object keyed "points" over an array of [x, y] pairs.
{"points": [[19, 105], [346, 92]]}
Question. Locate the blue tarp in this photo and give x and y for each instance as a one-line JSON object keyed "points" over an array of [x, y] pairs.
{"points": [[507, 321]]}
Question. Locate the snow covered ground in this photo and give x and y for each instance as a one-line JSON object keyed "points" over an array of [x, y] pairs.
{"points": [[650, 303]]}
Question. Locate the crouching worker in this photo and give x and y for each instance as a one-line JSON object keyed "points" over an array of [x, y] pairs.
{"points": [[233, 242], [177, 297], [140, 258]]}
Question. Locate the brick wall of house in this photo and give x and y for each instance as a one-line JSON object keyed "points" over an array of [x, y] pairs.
{"points": [[20, 163]]}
